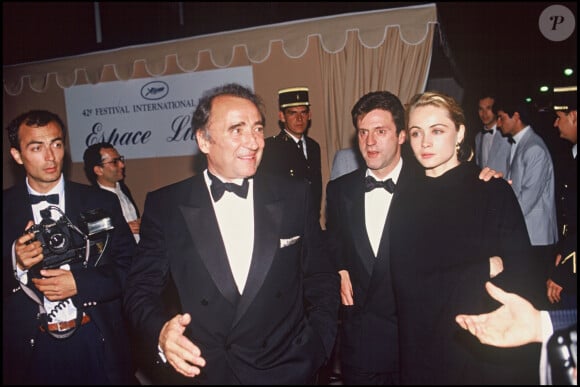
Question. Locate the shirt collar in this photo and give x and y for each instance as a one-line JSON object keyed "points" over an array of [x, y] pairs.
{"points": [[57, 189], [521, 134], [393, 175], [296, 139], [112, 189]]}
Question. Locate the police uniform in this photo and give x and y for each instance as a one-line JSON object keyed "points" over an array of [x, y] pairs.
{"points": [[283, 155]]}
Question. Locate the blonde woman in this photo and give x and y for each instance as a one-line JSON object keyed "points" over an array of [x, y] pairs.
{"points": [[450, 233]]}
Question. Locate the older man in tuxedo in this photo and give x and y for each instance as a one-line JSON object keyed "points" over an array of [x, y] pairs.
{"points": [[257, 294]]}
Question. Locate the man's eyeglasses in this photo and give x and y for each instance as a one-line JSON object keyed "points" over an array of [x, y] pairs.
{"points": [[115, 160]]}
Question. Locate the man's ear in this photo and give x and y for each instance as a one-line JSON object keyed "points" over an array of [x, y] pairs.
{"points": [[202, 142], [16, 155], [402, 136], [281, 116], [98, 170]]}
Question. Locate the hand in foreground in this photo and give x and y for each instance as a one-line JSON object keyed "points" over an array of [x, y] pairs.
{"points": [[56, 284], [180, 352], [513, 324], [345, 288]]}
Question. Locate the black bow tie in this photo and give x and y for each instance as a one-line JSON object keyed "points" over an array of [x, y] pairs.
{"points": [[511, 140], [487, 131], [218, 188], [52, 199], [371, 183]]}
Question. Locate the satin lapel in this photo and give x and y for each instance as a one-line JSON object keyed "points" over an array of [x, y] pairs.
{"points": [[204, 230], [267, 223], [21, 207], [355, 208]]}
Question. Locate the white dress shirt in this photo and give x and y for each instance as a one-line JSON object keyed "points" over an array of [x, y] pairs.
{"points": [[377, 203], [129, 211], [235, 216]]}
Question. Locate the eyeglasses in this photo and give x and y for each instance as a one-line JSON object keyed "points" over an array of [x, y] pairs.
{"points": [[115, 160]]}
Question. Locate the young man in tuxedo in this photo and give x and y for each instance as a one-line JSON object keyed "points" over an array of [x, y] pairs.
{"points": [[63, 325]]}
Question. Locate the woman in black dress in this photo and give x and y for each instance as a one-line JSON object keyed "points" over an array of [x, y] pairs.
{"points": [[450, 233]]}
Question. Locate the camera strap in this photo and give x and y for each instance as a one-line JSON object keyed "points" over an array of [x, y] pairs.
{"points": [[43, 316]]}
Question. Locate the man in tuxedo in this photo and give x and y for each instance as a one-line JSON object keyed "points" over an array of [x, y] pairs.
{"points": [[531, 172], [105, 168], [61, 325], [357, 207], [491, 147], [257, 292], [292, 152]]}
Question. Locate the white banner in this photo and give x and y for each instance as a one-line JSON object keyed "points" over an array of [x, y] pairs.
{"points": [[143, 118]]}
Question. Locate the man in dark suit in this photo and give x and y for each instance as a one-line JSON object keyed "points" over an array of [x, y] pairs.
{"points": [[257, 292], [562, 282], [291, 152], [63, 325], [105, 168], [357, 227]]}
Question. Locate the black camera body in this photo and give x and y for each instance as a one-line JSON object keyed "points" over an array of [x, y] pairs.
{"points": [[562, 355], [62, 242]]}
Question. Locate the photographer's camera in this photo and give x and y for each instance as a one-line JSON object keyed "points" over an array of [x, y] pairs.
{"points": [[62, 242]]}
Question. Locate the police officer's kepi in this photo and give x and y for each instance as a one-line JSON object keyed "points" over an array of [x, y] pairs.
{"points": [[295, 96], [565, 101]]}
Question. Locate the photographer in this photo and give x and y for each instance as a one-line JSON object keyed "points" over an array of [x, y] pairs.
{"points": [[61, 325]]}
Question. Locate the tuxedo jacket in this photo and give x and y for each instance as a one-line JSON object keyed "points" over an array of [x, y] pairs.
{"points": [[499, 152], [532, 174], [282, 328], [282, 156], [369, 338], [99, 287]]}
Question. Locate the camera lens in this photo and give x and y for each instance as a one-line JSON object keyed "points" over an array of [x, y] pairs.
{"points": [[57, 242]]}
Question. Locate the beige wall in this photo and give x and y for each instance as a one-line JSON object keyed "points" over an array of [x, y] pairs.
{"points": [[338, 58]]}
